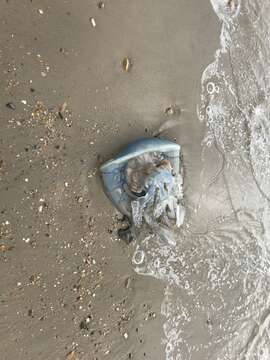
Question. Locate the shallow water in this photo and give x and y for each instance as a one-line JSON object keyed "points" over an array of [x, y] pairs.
{"points": [[216, 269]]}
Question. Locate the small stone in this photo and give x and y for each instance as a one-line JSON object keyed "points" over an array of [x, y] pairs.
{"points": [[84, 324], [101, 5], [24, 102], [173, 110], [169, 111], [126, 335], [152, 315], [80, 199], [3, 248], [93, 22], [11, 106], [40, 11]]}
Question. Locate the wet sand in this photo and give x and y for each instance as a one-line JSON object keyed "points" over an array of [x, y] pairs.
{"points": [[68, 289]]}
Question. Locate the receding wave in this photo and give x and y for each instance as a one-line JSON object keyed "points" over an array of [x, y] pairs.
{"points": [[217, 303]]}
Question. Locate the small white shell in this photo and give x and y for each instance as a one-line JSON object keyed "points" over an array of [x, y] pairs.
{"points": [[93, 22]]}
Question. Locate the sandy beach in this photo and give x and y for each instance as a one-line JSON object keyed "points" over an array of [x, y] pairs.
{"points": [[68, 289]]}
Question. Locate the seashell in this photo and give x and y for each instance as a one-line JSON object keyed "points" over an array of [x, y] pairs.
{"points": [[126, 64], [93, 22]]}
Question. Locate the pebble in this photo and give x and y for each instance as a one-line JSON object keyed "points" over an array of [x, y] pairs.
{"points": [[84, 324], [101, 5], [79, 199], [3, 248], [40, 11], [169, 111]]}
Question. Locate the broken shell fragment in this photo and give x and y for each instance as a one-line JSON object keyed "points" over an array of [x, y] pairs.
{"points": [[93, 22], [62, 109], [232, 5], [71, 355], [126, 64], [11, 106]]}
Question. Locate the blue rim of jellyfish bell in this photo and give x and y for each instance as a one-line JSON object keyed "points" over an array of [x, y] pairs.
{"points": [[114, 171]]}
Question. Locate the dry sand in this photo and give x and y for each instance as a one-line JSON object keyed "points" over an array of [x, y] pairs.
{"points": [[68, 289]]}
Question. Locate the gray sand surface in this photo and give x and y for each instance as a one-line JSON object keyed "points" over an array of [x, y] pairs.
{"points": [[68, 290]]}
